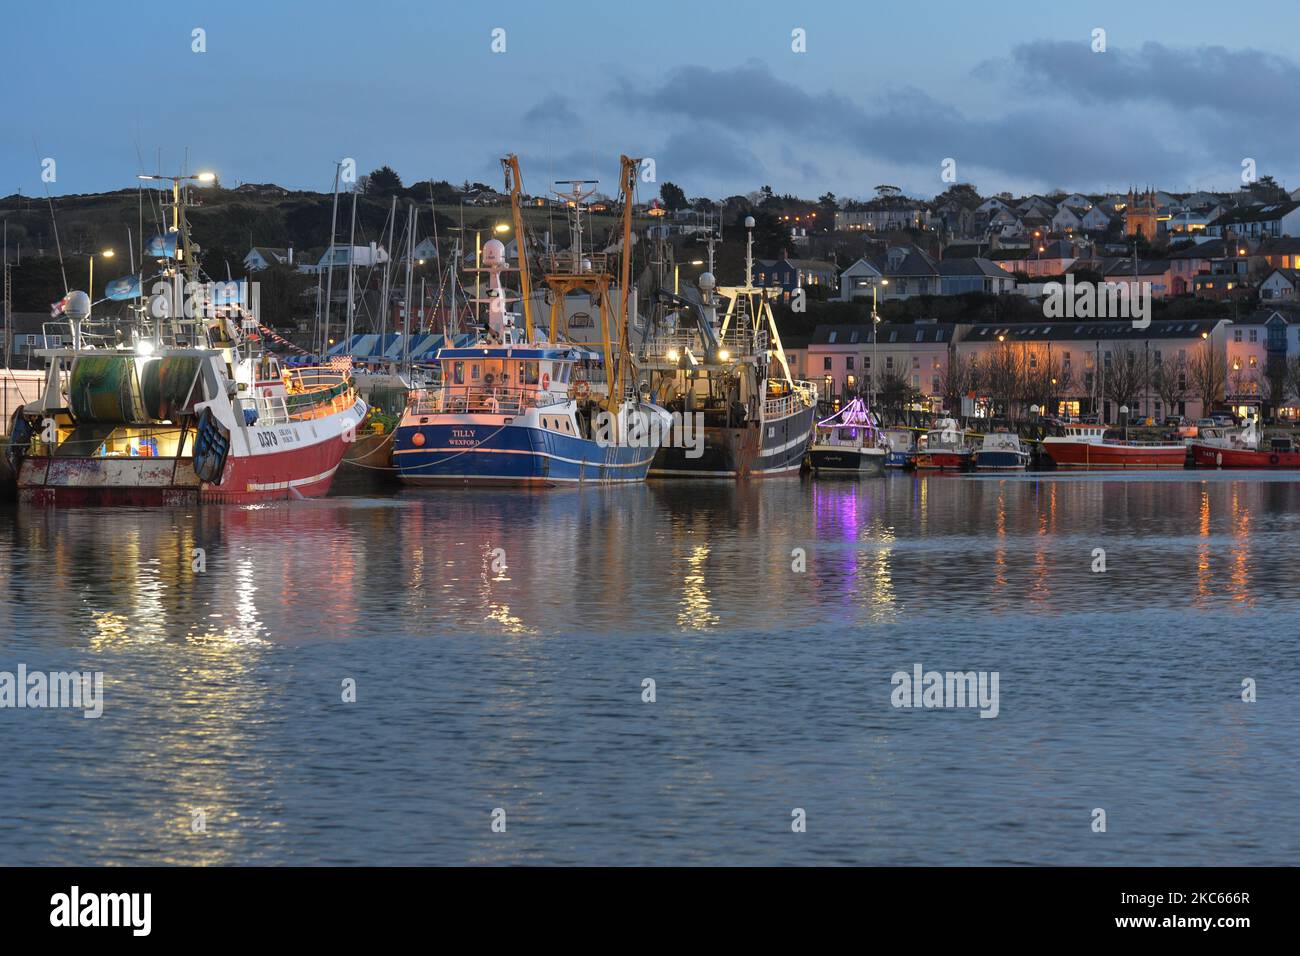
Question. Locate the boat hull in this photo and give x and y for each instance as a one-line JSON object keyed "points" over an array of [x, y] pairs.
{"points": [[1001, 460], [944, 460], [463, 453], [265, 463], [771, 449], [831, 460], [246, 479], [1214, 456], [1067, 454]]}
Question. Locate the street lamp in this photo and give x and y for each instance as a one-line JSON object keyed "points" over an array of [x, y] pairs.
{"points": [[107, 254], [677, 275], [875, 334]]}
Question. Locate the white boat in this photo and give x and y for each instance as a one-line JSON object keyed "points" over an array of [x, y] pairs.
{"points": [[1001, 451]]}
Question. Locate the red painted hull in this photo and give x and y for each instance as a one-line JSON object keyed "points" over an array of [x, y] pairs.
{"points": [[247, 479], [945, 460], [1114, 455], [1213, 456]]}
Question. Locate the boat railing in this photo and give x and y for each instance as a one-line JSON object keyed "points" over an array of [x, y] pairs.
{"points": [[800, 396], [741, 346], [562, 263], [481, 400]]}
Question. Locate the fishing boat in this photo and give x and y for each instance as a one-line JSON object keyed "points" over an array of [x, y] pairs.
{"points": [[1086, 446], [719, 366], [1001, 451], [902, 447], [848, 442], [523, 407], [179, 404], [1239, 448], [945, 449]]}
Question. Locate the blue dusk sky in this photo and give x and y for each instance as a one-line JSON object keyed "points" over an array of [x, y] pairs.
{"points": [[885, 92]]}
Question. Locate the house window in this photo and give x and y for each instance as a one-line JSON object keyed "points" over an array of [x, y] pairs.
{"points": [[866, 362], [848, 363], [1252, 361], [1065, 359], [1236, 335], [916, 361], [889, 363], [1254, 335], [826, 364]]}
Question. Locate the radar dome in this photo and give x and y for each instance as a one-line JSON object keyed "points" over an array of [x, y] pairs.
{"points": [[749, 222], [494, 252], [77, 305], [707, 282]]}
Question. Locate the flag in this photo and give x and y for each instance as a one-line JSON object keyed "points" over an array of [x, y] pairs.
{"points": [[126, 287], [161, 247], [56, 308]]}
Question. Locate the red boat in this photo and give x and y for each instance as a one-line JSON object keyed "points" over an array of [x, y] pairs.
{"points": [[1086, 446], [944, 449], [1224, 448]]}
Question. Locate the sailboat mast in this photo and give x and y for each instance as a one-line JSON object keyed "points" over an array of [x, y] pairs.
{"points": [[352, 271], [410, 248], [329, 281], [388, 268]]}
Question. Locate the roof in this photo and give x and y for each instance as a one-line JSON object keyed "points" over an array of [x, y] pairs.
{"points": [[1079, 330], [1279, 247], [1265, 213], [890, 333], [1211, 249], [972, 267]]}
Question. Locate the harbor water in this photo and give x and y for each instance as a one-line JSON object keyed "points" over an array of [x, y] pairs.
{"points": [[664, 674]]}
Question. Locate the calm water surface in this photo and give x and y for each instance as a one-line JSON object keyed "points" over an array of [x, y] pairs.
{"points": [[520, 687]]}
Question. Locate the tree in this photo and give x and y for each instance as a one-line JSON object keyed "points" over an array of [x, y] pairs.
{"points": [[888, 192], [1272, 382], [1001, 372], [895, 393], [1169, 379], [1208, 373], [383, 182], [964, 194], [1125, 377], [673, 197], [959, 378], [1047, 379]]}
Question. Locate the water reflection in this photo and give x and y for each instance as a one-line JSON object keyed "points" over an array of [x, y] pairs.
{"points": [[488, 632]]}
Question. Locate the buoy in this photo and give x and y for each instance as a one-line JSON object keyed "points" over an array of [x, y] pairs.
{"points": [[546, 380]]}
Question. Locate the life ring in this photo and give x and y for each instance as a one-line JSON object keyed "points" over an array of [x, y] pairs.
{"points": [[546, 381], [1273, 459], [583, 388]]}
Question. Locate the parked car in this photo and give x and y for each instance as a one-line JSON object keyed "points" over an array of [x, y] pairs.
{"points": [[1175, 421], [1207, 423], [1223, 419]]}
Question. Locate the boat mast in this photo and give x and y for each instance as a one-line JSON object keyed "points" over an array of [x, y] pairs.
{"points": [[410, 248], [515, 185], [352, 248], [388, 268], [329, 281], [627, 187]]}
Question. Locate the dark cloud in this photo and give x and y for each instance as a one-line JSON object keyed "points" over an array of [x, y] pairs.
{"points": [[1236, 82], [1081, 119]]}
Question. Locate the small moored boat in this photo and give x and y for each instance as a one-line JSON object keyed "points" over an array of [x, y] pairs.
{"points": [[848, 443], [1001, 451], [1086, 446]]}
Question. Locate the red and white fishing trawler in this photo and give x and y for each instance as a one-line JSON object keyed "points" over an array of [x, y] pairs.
{"points": [[163, 410], [1239, 448], [1086, 446]]}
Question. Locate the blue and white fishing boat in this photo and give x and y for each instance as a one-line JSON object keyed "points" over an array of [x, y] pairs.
{"points": [[902, 447], [1001, 451], [518, 407]]}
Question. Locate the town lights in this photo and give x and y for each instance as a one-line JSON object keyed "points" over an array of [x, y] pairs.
{"points": [[501, 228]]}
